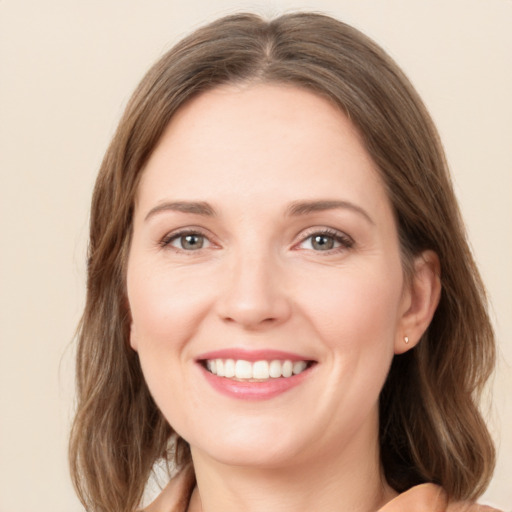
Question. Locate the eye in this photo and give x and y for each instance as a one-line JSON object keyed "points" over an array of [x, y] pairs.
{"points": [[186, 241], [326, 240]]}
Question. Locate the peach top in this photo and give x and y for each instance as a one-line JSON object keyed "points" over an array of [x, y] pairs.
{"points": [[421, 498]]}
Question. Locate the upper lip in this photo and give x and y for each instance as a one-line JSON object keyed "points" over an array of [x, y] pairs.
{"points": [[252, 355]]}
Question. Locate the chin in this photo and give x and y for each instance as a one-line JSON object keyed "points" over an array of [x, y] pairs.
{"points": [[255, 457], [262, 446]]}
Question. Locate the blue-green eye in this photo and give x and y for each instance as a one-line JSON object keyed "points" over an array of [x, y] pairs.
{"points": [[326, 241], [323, 242], [189, 241]]}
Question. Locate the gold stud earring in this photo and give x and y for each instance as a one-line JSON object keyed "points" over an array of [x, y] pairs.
{"points": [[406, 339]]}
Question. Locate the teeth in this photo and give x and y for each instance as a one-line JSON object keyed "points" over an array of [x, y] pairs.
{"points": [[220, 367], [229, 368], [243, 369], [275, 369], [299, 367], [287, 369], [259, 370]]}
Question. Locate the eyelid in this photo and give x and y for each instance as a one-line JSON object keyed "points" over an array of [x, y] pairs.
{"points": [[168, 238], [346, 241]]}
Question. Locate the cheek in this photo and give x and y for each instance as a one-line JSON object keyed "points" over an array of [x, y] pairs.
{"points": [[357, 323], [164, 308], [358, 309], [163, 323]]}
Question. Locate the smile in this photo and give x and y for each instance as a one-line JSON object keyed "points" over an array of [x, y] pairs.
{"points": [[243, 370], [254, 374]]}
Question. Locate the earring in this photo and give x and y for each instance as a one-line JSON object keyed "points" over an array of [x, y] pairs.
{"points": [[406, 339]]}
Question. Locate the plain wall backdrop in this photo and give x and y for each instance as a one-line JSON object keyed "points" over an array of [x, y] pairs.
{"points": [[67, 68]]}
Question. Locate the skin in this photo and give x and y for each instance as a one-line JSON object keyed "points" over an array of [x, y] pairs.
{"points": [[258, 282]]}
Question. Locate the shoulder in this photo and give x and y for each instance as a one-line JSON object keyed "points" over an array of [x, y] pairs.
{"points": [[465, 506], [176, 495], [430, 498]]}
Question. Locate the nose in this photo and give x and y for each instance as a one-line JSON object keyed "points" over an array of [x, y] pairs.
{"points": [[253, 293]]}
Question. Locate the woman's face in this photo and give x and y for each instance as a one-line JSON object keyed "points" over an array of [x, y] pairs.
{"points": [[264, 245]]}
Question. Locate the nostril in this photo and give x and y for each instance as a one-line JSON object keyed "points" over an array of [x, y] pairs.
{"points": [[252, 299]]}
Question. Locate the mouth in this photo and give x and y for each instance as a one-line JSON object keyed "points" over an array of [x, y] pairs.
{"points": [[254, 374], [255, 371]]}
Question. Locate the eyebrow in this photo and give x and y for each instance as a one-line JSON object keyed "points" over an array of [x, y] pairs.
{"points": [[298, 208], [195, 207], [295, 209]]}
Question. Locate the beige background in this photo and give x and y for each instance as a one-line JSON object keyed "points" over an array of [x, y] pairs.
{"points": [[66, 70]]}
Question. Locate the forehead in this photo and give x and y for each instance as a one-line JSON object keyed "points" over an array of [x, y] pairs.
{"points": [[272, 141]]}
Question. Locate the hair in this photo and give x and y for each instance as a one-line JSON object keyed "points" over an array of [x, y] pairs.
{"points": [[431, 429]]}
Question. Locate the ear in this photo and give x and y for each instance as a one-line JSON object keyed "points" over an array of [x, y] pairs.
{"points": [[420, 301], [133, 337]]}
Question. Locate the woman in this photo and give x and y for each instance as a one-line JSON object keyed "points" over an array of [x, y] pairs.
{"points": [[281, 300]]}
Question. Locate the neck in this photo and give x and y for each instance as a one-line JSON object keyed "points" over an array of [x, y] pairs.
{"points": [[352, 482]]}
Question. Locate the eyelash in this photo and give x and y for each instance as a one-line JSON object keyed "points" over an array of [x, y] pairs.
{"points": [[171, 237], [345, 242]]}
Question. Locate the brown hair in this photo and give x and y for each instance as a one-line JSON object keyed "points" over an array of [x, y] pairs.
{"points": [[430, 426]]}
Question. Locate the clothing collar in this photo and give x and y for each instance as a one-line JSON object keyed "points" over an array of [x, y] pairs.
{"points": [[421, 498]]}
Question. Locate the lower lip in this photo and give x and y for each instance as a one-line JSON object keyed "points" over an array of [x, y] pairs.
{"points": [[245, 390]]}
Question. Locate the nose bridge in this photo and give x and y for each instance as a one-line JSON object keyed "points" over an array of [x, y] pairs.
{"points": [[253, 292]]}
